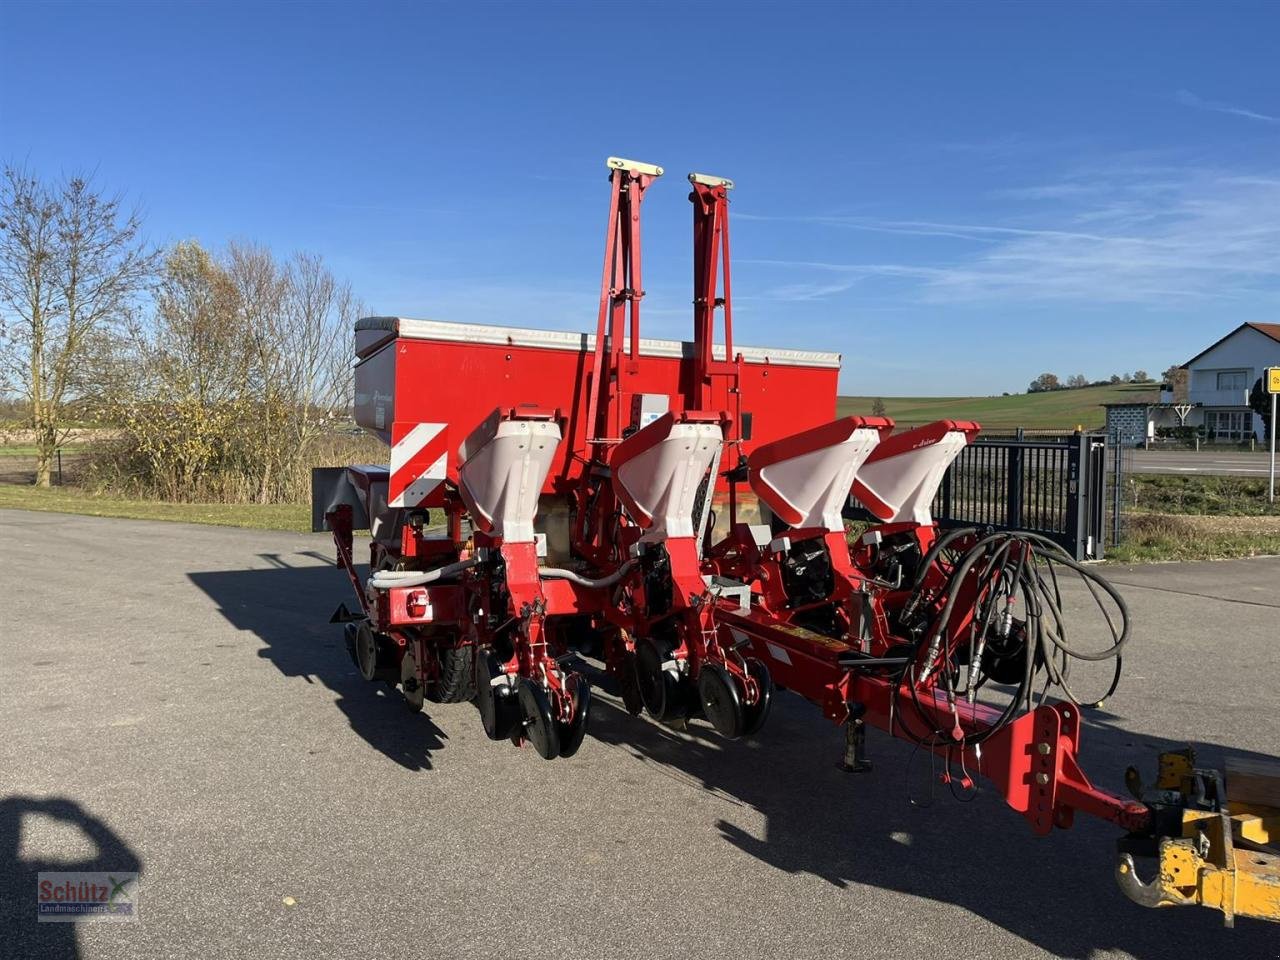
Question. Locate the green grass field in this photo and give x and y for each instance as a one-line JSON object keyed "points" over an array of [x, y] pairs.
{"points": [[287, 516], [1057, 410]]}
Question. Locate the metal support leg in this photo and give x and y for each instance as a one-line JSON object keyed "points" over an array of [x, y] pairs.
{"points": [[855, 742]]}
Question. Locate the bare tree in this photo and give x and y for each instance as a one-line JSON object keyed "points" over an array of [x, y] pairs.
{"points": [[244, 367], [297, 316], [72, 265], [260, 290], [1077, 380], [182, 408], [320, 314]]}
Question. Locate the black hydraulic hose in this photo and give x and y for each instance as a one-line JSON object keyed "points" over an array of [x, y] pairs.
{"points": [[1044, 644], [938, 546]]}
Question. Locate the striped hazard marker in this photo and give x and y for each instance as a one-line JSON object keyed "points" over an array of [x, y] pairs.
{"points": [[419, 461]]}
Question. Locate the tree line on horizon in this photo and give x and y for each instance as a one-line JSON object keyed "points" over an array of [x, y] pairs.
{"points": [[1051, 381]]}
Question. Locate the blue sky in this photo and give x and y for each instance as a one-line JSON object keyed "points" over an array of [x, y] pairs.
{"points": [[955, 196]]}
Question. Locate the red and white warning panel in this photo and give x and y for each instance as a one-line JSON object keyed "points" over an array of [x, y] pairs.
{"points": [[419, 464]]}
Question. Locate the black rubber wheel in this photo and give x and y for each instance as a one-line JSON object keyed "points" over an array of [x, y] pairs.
{"points": [[366, 644], [721, 702], [413, 690], [755, 715], [535, 713], [629, 685], [457, 683], [659, 690], [499, 713], [571, 733]]}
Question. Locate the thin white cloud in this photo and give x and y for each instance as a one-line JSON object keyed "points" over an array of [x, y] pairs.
{"points": [[1189, 99], [1200, 237]]}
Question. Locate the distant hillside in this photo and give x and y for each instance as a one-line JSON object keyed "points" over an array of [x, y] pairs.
{"points": [[1054, 410]]}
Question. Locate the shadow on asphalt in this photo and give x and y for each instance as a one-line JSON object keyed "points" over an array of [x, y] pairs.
{"points": [[880, 829], [21, 935], [288, 608]]}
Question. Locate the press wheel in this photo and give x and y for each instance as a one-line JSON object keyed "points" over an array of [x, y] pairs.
{"points": [[754, 716], [366, 650], [415, 694], [499, 712], [629, 685], [659, 690], [721, 702], [572, 733], [535, 714]]}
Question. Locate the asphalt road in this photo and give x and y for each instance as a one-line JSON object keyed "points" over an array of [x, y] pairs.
{"points": [[174, 701], [1236, 463]]}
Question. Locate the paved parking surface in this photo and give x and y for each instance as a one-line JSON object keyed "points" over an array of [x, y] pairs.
{"points": [[174, 701], [1237, 463]]}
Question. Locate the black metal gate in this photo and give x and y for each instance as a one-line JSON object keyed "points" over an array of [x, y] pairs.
{"points": [[1053, 486]]}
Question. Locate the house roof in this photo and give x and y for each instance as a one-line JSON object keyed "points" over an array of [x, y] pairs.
{"points": [[1148, 404], [1271, 330]]}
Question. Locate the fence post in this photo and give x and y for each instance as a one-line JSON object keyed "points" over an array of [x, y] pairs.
{"points": [[59, 452], [1117, 491], [1013, 489], [1096, 478], [1077, 512]]}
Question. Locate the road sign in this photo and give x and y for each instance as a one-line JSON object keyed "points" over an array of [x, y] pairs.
{"points": [[1271, 376]]}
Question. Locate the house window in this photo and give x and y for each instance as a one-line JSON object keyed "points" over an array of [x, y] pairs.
{"points": [[1229, 424], [1233, 380]]}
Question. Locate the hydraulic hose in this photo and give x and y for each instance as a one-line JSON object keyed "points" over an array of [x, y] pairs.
{"points": [[986, 572], [559, 573], [386, 579]]}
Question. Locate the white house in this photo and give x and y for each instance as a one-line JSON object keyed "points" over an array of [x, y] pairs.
{"points": [[1221, 376]]}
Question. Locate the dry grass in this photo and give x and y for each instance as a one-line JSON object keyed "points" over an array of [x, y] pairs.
{"points": [[1199, 494], [111, 470], [1157, 536]]}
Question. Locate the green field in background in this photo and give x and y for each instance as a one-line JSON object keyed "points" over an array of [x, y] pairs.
{"points": [[1055, 410]]}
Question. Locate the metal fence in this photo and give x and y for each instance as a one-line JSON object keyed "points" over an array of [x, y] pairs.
{"points": [[1119, 462], [1056, 486]]}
